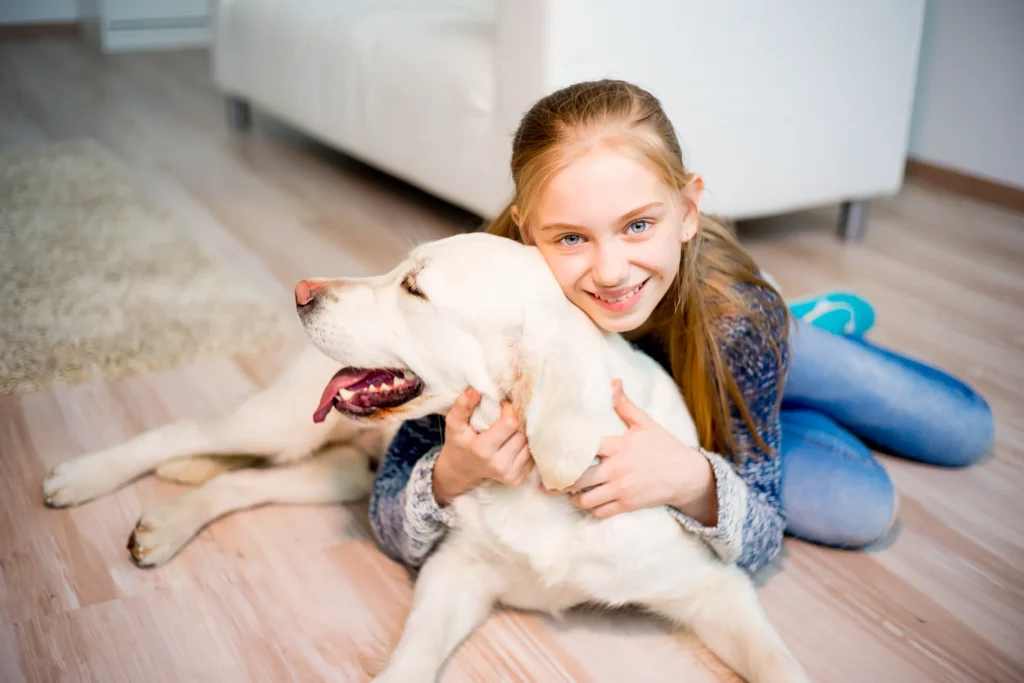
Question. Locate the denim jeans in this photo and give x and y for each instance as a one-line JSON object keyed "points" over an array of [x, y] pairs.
{"points": [[845, 395]]}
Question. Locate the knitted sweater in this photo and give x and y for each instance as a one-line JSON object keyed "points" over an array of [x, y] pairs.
{"points": [[408, 522]]}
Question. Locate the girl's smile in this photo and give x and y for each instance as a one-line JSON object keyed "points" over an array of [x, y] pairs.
{"points": [[621, 299]]}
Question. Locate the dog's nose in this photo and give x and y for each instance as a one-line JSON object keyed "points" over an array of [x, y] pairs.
{"points": [[305, 292]]}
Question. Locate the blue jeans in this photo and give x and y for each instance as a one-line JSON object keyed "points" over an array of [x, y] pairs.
{"points": [[844, 395]]}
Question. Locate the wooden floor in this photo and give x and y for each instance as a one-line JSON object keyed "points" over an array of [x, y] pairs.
{"points": [[296, 594]]}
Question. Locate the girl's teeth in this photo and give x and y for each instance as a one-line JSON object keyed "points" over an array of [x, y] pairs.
{"points": [[625, 296]]}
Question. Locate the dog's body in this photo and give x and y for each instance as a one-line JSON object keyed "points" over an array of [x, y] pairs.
{"points": [[482, 311], [452, 316]]}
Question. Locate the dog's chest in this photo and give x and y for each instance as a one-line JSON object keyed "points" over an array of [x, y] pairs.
{"points": [[552, 552], [519, 526]]}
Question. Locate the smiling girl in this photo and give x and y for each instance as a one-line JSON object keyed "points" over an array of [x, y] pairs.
{"points": [[783, 409]]}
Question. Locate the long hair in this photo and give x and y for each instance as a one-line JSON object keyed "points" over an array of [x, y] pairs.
{"points": [[688, 320]]}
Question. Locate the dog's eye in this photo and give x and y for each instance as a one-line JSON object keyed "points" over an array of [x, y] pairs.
{"points": [[409, 285]]}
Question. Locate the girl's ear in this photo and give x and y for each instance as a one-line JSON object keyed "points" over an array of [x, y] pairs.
{"points": [[692, 193], [515, 219]]}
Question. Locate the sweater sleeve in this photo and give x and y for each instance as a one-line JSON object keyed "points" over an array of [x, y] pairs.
{"points": [[404, 515], [751, 521]]}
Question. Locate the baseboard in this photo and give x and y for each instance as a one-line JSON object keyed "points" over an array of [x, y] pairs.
{"points": [[63, 29], [972, 186]]}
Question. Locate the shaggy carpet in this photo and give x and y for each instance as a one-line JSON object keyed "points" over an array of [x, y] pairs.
{"points": [[97, 281]]}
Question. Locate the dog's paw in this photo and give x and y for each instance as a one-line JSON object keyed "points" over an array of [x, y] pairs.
{"points": [[75, 482], [160, 534]]}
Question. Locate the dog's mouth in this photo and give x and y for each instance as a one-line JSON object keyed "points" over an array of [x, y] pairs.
{"points": [[364, 391]]}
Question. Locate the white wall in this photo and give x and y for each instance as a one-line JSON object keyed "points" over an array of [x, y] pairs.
{"points": [[37, 11], [969, 107]]}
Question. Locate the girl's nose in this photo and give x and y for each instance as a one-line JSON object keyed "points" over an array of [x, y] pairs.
{"points": [[611, 268]]}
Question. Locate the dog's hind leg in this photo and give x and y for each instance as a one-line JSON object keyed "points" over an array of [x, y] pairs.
{"points": [[453, 596], [198, 469], [339, 475], [275, 423], [727, 616]]}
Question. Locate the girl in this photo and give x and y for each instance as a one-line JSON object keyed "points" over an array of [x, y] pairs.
{"points": [[601, 191]]}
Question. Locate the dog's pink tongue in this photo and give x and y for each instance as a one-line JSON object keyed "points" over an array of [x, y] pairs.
{"points": [[343, 379]]}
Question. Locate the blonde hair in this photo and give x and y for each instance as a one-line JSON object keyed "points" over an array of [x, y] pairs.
{"points": [[570, 121]]}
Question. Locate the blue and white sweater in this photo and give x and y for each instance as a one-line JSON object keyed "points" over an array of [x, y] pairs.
{"points": [[408, 522]]}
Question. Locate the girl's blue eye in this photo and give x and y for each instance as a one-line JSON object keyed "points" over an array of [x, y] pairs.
{"points": [[637, 227], [571, 240]]}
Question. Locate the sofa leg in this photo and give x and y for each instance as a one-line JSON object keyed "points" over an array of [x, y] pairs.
{"points": [[239, 113], [853, 218]]}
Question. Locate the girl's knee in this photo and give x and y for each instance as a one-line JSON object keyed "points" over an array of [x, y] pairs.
{"points": [[834, 495], [950, 425], [977, 434], [855, 520], [876, 520]]}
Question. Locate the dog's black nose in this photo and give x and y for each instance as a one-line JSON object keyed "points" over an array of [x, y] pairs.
{"points": [[305, 292]]}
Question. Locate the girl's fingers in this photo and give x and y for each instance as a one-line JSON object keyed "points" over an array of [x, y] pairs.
{"points": [[521, 466], [594, 475], [502, 461], [592, 498], [608, 509], [503, 429], [458, 416]]}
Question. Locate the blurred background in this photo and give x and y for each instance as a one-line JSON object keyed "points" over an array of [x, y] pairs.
{"points": [[170, 168]]}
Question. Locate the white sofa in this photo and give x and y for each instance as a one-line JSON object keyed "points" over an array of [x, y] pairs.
{"points": [[779, 106]]}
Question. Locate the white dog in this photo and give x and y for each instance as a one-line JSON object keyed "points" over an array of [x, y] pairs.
{"points": [[483, 311], [472, 310]]}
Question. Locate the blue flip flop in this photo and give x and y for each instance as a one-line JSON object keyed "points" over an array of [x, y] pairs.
{"points": [[838, 312]]}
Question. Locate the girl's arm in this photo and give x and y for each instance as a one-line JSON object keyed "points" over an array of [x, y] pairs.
{"points": [[750, 524], [404, 514]]}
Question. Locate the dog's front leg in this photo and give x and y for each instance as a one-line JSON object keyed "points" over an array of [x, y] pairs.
{"points": [[454, 594], [725, 613], [271, 423]]}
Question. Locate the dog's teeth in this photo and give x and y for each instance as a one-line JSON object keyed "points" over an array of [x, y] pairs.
{"points": [[345, 394], [399, 381], [373, 388], [406, 375]]}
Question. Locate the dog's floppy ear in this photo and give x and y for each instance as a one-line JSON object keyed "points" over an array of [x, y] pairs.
{"points": [[562, 394]]}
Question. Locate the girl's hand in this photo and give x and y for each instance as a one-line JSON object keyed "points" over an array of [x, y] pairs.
{"points": [[646, 467], [468, 458]]}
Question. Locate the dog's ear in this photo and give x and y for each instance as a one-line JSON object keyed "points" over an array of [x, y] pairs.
{"points": [[561, 393]]}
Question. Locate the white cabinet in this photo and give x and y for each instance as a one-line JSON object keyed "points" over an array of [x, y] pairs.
{"points": [[135, 25]]}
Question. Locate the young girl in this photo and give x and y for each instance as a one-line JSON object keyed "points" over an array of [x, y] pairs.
{"points": [[601, 191]]}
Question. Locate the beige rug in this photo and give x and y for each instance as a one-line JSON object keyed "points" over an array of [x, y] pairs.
{"points": [[97, 281]]}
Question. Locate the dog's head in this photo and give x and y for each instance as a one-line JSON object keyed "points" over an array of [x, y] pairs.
{"points": [[470, 310]]}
